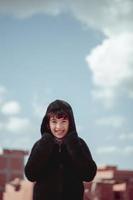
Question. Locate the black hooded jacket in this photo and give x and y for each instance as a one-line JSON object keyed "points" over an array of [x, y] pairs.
{"points": [[59, 170]]}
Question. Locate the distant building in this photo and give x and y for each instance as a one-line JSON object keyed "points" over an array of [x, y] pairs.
{"points": [[11, 166], [18, 190], [110, 184]]}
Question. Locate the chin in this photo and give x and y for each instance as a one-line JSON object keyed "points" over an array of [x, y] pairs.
{"points": [[60, 137]]}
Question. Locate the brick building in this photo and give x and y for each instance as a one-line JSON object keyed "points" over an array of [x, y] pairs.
{"points": [[110, 183], [11, 166]]}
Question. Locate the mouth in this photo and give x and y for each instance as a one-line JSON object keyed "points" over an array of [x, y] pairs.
{"points": [[59, 133]]}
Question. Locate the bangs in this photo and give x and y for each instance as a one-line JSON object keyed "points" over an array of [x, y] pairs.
{"points": [[58, 114]]}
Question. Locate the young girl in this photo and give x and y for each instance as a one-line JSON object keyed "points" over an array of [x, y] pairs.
{"points": [[60, 161]]}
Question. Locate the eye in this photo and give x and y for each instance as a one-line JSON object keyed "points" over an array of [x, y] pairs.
{"points": [[64, 121], [53, 121]]}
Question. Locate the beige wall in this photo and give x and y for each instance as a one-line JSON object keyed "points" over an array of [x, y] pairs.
{"points": [[24, 193]]}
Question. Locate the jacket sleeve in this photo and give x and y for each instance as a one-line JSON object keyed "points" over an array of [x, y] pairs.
{"points": [[39, 157], [81, 157]]}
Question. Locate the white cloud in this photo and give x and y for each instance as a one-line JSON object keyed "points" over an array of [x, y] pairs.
{"points": [[10, 108], [107, 150], [111, 62], [106, 95], [115, 150], [27, 8], [20, 142], [126, 136], [111, 17], [111, 65], [17, 125], [114, 121], [128, 150], [3, 90]]}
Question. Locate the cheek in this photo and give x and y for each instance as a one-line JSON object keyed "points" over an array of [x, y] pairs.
{"points": [[67, 127], [49, 127]]}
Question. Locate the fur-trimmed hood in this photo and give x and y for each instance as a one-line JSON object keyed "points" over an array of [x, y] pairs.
{"points": [[55, 106]]}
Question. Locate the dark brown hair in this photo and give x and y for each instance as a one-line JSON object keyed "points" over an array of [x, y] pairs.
{"points": [[59, 109], [59, 114]]}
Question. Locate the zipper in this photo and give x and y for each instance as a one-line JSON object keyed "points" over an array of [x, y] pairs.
{"points": [[59, 148], [60, 186]]}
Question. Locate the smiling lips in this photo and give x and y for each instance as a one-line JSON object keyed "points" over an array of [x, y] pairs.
{"points": [[59, 132]]}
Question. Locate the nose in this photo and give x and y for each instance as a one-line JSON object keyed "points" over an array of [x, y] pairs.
{"points": [[58, 126]]}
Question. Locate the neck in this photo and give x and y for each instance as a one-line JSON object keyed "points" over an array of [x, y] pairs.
{"points": [[59, 140]]}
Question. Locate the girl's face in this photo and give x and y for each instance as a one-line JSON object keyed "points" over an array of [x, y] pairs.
{"points": [[59, 126]]}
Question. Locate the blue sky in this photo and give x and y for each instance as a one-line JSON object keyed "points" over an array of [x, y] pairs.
{"points": [[79, 51]]}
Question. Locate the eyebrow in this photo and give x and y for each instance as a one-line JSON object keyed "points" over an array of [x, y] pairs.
{"points": [[64, 119]]}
